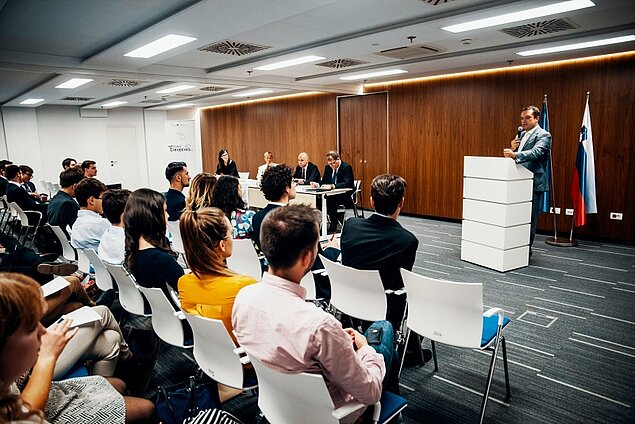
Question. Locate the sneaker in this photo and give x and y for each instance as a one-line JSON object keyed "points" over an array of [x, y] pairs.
{"points": [[62, 268]]}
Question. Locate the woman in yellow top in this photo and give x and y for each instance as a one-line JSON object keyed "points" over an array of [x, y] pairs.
{"points": [[210, 289]]}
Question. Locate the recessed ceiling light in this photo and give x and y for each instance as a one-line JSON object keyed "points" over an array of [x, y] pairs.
{"points": [[175, 89], [113, 104], [180, 105], [290, 62], [577, 46], [74, 83], [374, 74], [161, 45], [253, 93], [31, 101], [537, 12]]}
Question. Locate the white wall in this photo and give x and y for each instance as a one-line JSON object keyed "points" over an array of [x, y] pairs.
{"points": [[41, 137]]}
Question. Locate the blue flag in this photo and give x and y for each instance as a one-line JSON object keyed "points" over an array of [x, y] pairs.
{"points": [[544, 124]]}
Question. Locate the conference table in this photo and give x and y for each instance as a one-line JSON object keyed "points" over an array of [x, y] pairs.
{"points": [[305, 195]]}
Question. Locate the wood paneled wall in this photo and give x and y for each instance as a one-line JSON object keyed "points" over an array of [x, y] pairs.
{"points": [[285, 126], [433, 123]]}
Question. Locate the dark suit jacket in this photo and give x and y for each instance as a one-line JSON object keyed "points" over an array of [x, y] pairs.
{"points": [[345, 178], [535, 157], [24, 200], [312, 173], [3, 186], [29, 187], [62, 210]]}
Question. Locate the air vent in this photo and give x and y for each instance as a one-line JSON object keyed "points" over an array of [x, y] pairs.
{"points": [[539, 28], [410, 51], [341, 63], [151, 101], [436, 2], [212, 88], [77, 99], [232, 47], [123, 83]]}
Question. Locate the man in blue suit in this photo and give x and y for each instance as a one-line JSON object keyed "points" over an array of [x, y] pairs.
{"points": [[531, 149]]}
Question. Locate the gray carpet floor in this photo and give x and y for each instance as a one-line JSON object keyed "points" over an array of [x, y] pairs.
{"points": [[571, 340]]}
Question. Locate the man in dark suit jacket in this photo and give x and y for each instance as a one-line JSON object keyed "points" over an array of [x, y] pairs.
{"points": [[27, 175], [380, 242], [306, 172], [337, 174], [3, 180], [531, 150], [17, 194]]}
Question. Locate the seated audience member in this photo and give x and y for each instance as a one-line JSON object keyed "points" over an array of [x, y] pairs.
{"points": [[27, 184], [210, 289], [148, 254], [337, 174], [62, 209], [112, 246], [268, 162], [179, 177], [380, 242], [17, 194], [89, 225], [228, 196], [200, 192], [275, 325], [226, 166], [3, 179], [306, 172], [69, 163], [26, 345], [90, 168]]}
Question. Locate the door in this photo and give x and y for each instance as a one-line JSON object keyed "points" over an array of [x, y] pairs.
{"points": [[363, 137], [123, 159]]}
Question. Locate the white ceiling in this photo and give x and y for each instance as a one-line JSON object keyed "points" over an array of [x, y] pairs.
{"points": [[44, 43]]}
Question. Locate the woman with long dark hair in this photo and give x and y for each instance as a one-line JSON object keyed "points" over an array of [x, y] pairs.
{"points": [[226, 166], [227, 196]]}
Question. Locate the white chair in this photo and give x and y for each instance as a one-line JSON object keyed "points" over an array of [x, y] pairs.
{"points": [[167, 323], [177, 242], [51, 188], [244, 259], [83, 263], [24, 222], [292, 398], [243, 175], [103, 279], [130, 297], [68, 251], [216, 353], [308, 282], [452, 313]]}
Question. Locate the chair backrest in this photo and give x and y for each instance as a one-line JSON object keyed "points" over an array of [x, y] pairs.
{"points": [[165, 320], [83, 263], [102, 276], [290, 398], [243, 175], [358, 293], [445, 311], [308, 282], [67, 250], [130, 297], [214, 351], [244, 259], [177, 242], [24, 220], [42, 187], [358, 185]]}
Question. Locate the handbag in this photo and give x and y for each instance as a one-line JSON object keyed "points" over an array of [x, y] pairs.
{"points": [[178, 403]]}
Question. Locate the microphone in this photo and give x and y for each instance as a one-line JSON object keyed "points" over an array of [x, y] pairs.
{"points": [[520, 131]]}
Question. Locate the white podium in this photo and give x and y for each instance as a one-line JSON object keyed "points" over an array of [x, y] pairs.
{"points": [[496, 213]]}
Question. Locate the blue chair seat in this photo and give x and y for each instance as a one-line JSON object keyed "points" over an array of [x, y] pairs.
{"points": [[490, 325], [391, 405]]}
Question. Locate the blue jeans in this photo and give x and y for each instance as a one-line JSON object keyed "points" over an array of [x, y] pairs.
{"points": [[386, 348]]}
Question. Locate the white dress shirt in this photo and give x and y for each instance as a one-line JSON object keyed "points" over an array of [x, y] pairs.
{"points": [[88, 229], [112, 247]]}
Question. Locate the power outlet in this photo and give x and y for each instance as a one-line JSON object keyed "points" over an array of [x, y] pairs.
{"points": [[615, 215], [568, 212], [554, 210]]}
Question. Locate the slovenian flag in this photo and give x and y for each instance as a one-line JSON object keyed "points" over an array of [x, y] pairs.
{"points": [[583, 182], [544, 124]]}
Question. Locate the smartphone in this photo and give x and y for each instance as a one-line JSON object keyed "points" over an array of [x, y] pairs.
{"points": [[374, 336]]}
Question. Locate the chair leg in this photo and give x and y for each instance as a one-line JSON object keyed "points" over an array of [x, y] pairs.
{"points": [[490, 375], [405, 347], [434, 355], [508, 394]]}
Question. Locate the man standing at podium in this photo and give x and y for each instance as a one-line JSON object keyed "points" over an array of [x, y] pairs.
{"points": [[531, 149]]}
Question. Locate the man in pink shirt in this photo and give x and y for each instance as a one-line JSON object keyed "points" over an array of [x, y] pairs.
{"points": [[275, 325]]}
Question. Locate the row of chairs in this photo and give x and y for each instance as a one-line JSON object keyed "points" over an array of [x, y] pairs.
{"points": [[13, 214]]}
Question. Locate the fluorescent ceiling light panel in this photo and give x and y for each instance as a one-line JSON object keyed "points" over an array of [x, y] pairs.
{"points": [[374, 74], [31, 101], [175, 89], [253, 93], [180, 105], [523, 15], [159, 46], [577, 46], [290, 62], [113, 104], [74, 83]]}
